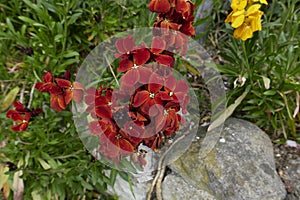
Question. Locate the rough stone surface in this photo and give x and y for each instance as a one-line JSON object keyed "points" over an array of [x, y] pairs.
{"points": [[175, 188], [241, 166], [292, 179]]}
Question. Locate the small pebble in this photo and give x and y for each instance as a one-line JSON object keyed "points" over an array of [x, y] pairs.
{"points": [[222, 140]]}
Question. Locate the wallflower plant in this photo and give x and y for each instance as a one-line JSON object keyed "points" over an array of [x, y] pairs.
{"points": [[158, 97]]}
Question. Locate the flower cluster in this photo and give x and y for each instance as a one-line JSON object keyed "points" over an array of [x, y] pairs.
{"points": [[22, 115], [145, 111], [245, 17], [174, 14], [61, 90]]}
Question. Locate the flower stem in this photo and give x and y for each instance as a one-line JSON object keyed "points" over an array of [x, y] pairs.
{"points": [[248, 68]]}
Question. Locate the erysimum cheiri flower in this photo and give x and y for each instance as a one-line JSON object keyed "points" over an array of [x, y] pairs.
{"points": [[147, 107], [151, 103], [174, 14], [245, 18], [22, 115], [62, 91]]}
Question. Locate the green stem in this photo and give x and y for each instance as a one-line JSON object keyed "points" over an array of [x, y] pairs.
{"points": [[248, 67]]}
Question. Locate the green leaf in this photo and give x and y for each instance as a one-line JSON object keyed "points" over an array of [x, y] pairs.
{"points": [[270, 92], [73, 18], [228, 111], [87, 185], [71, 54], [9, 99], [32, 22], [10, 26], [43, 163]]}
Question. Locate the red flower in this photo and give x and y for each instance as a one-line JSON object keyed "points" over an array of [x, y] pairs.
{"points": [[21, 115], [167, 121], [151, 96], [116, 146], [71, 91], [158, 47], [47, 83], [177, 91], [131, 55], [98, 105], [159, 6], [137, 74], [57, 99], [17, 117]]}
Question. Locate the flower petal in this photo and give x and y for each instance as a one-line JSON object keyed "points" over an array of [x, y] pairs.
{"points": [[140, 98], [141, 56], [47, 77], [160, 6], [19, 106], [68, 95], [125, 65], [63, 83], [20, 127], [165, 60], [158, 45]]}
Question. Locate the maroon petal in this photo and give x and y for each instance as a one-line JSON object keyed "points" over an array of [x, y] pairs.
{"points": [[63, 83], [140, 98], [160, 6], [47, 77], [103, 112], [77, 95], [68, 95], [131, 77], [165, 60], [158, 45], [19, 106], [125, 65], [20, 127], [141, 56]]}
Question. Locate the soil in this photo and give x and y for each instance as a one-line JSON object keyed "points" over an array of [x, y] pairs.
{"points": [[287, 160]]}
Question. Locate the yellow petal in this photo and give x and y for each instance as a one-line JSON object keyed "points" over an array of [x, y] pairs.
{"points": [[264, 2], [253, 9], [229, 17], [237, 13], [238, 4], [237, 21], [247, 33]]}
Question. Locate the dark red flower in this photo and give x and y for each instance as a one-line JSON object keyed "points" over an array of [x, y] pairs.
{"points": [[177, 91], [99, 102], [47, 83], [137, 74], [71, 90], [131, 55], [22, 119], [159, 6], [116, 146], [57, 99], [22, 115], [151, 97], [167, 121], [158, 50]]}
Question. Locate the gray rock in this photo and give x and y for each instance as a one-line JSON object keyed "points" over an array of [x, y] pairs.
{"points": [[175, 188], [240, 166], [292, 179]]}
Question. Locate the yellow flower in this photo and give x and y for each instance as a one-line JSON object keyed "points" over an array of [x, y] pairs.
{"points": [[250, 25], [260, 1], [238, 4], [237, 18]]}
